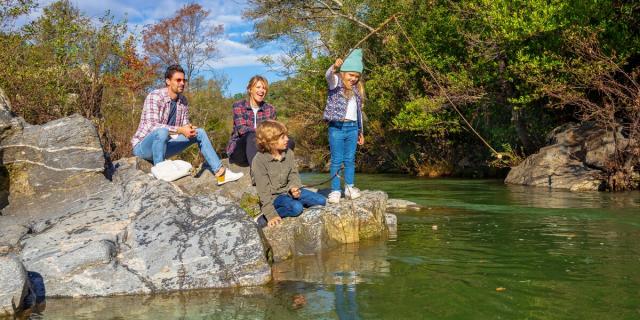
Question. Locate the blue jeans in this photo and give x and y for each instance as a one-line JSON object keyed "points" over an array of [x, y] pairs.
{"points": [[287, 206], [158, 146], [343, 140]]}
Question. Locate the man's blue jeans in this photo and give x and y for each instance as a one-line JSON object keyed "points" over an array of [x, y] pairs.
{"points": [[287, 206], [158, 146], [343, 140]]}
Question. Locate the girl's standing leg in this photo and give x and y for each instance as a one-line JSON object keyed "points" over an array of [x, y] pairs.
{"points": [[336, 145], [350, 144]]}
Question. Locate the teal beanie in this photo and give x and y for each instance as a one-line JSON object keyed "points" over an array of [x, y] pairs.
{"points": [[353, 63]]}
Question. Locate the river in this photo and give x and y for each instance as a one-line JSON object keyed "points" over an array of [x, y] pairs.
{"points": [[478, 250]]}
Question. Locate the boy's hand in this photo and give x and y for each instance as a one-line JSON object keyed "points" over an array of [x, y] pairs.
{"points": [[295, 193], [274, 221], [337, 64]]}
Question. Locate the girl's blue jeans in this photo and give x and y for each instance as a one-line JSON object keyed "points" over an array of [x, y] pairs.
{"points": [[343, 140]]}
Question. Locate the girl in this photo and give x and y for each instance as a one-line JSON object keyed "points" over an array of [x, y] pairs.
{"points": [[344, 115], [276, 177], [247, 115]]}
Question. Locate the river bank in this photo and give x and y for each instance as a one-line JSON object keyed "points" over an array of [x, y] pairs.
{"points": [[551, 254]]}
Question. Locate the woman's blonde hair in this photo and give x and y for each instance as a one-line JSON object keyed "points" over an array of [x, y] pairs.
{"points": [[268, 133], [254, 80]]}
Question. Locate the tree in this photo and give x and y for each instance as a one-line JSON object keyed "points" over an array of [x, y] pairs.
{"points": [[187, 38], [11, 9]]}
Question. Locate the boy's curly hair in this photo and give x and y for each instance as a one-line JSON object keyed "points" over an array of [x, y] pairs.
{"points": [[267, 133]]}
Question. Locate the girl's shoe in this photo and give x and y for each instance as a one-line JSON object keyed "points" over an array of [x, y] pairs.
{"points": [[228, 176], [333, 197], [351, 192]]}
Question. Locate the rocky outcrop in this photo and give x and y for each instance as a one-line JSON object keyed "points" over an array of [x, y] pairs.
{"points": [[573, 159], [85, 235], [141, 235], [13, 285], [320, 228]]}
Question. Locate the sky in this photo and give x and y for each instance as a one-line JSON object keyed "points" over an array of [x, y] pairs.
{"points": [[238, 61]]}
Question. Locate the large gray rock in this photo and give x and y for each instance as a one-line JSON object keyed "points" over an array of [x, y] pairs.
{"points": [[141, 235], [14, 285], [573, 159], [51, 158], [320, 228]]}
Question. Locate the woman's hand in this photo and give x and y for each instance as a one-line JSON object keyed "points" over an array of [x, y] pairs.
{"points": [[337, 64], [360, 139], [274, 221]]}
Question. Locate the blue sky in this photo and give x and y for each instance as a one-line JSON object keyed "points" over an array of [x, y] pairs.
{"points": [[237, 61]]}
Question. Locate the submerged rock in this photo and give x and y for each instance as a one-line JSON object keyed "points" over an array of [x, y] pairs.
{"points": [[573, 159], [402, 205]]}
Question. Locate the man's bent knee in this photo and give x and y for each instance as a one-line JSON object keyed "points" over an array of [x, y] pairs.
{"points": [[162, 134]]}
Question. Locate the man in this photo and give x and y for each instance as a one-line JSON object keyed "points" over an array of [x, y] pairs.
{"points": [[165, 130]]}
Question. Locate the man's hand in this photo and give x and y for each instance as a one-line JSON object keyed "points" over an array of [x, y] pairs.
{"points": [[274, 221], [360, 139], [188, 131], [295, 193], [337, 64]]}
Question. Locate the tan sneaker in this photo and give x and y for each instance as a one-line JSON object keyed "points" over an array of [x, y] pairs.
{"points": [[351, 192], [228, 176], [334, 197]]}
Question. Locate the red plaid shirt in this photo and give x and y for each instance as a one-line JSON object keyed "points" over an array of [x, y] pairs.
{"points": [[155, 114], [243, 120]]}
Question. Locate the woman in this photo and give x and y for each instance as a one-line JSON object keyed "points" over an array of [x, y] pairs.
{"points": [[247, 115]]}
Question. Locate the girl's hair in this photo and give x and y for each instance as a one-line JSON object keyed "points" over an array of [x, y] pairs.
{"points": [[254, 80], [267, 133]]}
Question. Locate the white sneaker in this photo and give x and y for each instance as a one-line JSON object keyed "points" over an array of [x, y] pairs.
{"points": [[334, 197], [229, 176], [351, 192]]}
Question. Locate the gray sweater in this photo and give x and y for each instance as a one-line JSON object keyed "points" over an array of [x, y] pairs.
{"points": [[274, 177]]}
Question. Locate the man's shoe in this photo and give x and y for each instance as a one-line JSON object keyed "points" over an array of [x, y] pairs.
{"points": [[334, 197], [351, 192], [228, 176]]}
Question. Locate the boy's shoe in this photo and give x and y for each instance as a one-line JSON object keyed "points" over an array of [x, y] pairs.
{"points": [[229, 176], [334, 197], [261, 220], [351, 192]]}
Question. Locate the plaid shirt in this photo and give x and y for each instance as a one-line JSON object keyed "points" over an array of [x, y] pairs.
{"points": [[243, 120], [155, 114]]}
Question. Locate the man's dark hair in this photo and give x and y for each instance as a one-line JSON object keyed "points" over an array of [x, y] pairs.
{"points": [[171, 70]]}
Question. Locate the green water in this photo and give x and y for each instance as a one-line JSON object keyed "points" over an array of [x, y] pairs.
{"points": [[553, 254]]}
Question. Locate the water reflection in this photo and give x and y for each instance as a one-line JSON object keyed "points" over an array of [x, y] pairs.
{"points": [[312, 287], [551, 198]]}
